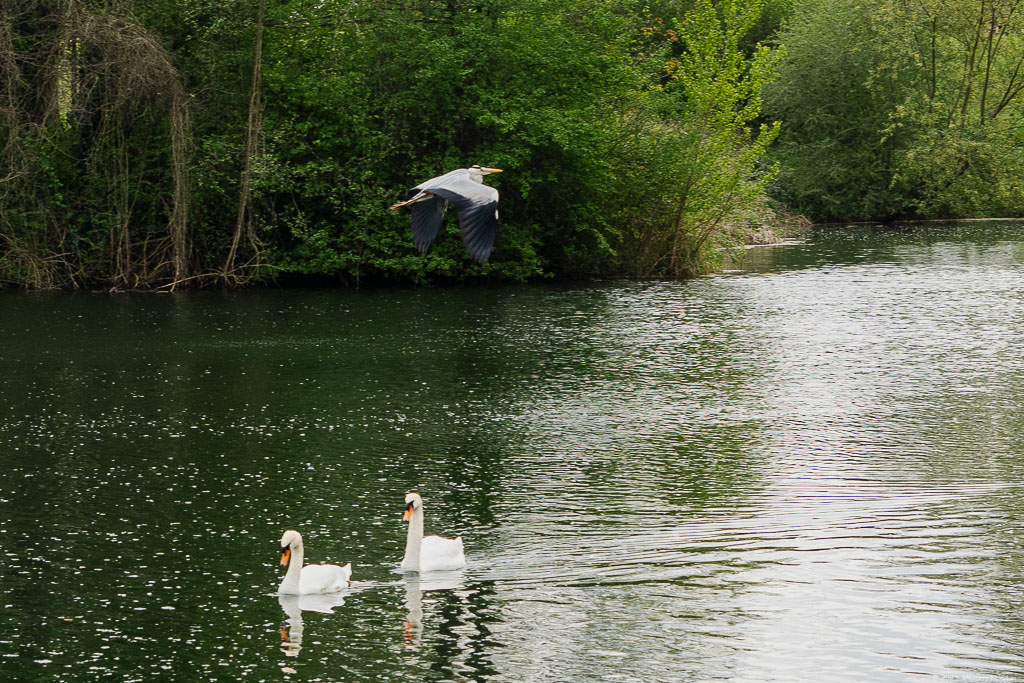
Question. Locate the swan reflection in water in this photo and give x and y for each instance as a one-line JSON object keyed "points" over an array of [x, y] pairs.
{"points": [[294, 606], [415, 586]]}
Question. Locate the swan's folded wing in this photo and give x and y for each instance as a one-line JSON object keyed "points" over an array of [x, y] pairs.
{"points": [[438, 553], [324, 578]]}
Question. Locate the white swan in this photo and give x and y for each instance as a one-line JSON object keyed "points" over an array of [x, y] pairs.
{"points": [[313, 578], [432, 553]]}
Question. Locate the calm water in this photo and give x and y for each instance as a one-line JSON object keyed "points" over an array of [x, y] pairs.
{"points": [[808, 470]]}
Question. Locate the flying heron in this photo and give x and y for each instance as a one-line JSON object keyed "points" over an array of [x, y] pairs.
{"points": [[476, 203]]}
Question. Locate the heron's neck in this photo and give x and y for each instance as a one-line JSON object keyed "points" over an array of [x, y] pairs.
{"points": [[290, 583], [413, 541]]}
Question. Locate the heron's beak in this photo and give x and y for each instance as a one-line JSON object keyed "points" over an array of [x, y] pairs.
{"points": [[286, 554], [492, 170], [408, 513]]}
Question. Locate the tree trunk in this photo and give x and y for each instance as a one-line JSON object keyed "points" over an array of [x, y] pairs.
{"points": [[251, 142]]}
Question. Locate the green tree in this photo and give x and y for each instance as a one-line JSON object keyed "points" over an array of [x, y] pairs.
{"points": [[533, 87], [835, 161], [698, 154], [897, 108], [964, 111]]}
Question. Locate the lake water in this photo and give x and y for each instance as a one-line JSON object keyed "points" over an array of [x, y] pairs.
{"points": [[808, 469]]}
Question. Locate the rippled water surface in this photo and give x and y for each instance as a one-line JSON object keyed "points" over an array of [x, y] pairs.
{"points": [[808, 469]]}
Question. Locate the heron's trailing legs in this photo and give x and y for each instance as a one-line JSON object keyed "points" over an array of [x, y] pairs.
{"points": [[421, 197]]}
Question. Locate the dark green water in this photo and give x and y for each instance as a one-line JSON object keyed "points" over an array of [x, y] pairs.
{"points": [[810, 470]]}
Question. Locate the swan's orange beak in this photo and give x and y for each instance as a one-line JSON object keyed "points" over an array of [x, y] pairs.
{"points": [[286, 555], [408, 513]]}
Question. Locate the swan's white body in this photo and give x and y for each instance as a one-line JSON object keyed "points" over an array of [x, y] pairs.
{"points": [[432, 553], [313, 578]]}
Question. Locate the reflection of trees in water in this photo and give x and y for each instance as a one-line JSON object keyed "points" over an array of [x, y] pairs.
{"points": [[480, 605], [450, 634]]}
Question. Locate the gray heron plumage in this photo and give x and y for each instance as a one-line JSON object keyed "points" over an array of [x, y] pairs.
{"points": [[476, 203]]}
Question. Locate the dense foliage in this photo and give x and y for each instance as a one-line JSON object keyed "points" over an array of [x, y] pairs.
{"points": [[180, 142], [894, 108], [174, 141]]}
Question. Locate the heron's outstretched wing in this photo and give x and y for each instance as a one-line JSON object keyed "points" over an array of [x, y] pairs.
{"points": [[427, 216], [479, 224], [477, 205]]}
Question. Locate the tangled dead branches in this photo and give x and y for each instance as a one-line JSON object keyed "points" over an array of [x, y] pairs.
{"points": [[89, 76]]}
